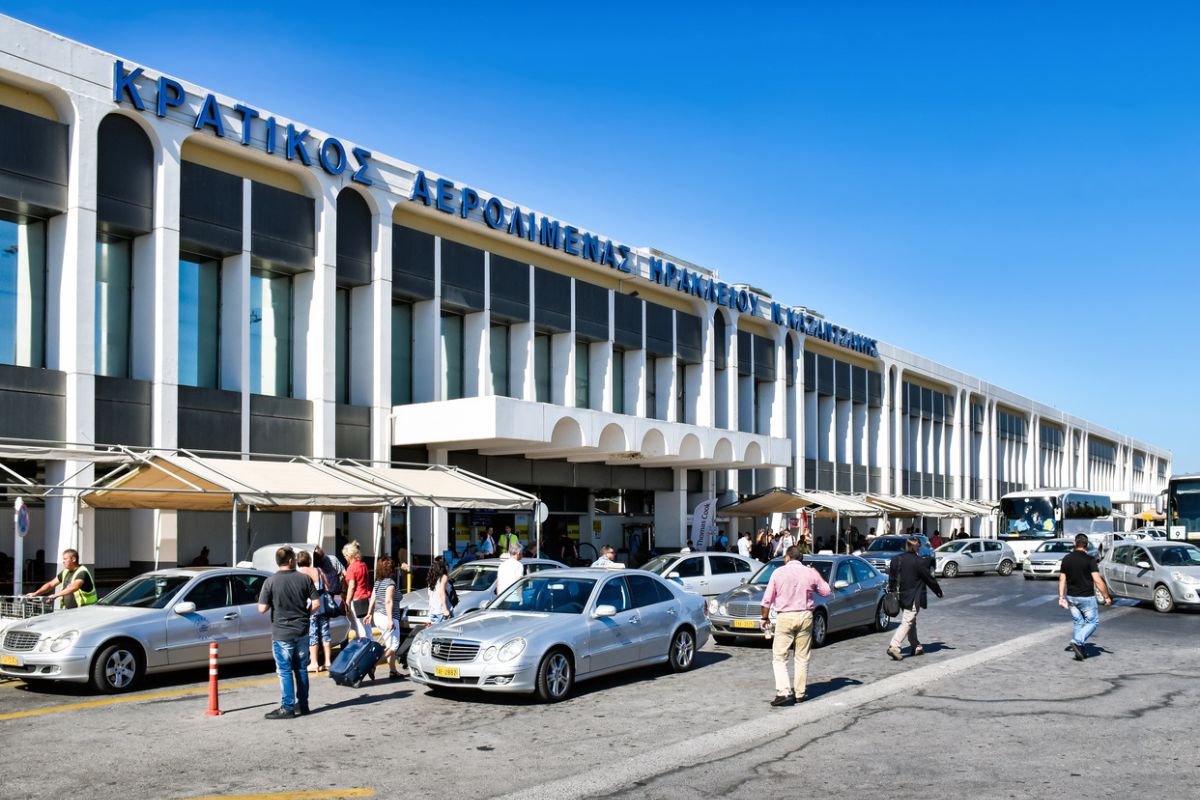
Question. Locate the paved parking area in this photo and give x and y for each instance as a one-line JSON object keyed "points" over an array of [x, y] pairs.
{"points": [[392, 737]]}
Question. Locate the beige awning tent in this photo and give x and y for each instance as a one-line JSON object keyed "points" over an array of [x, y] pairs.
{"points": [[785, 501]]}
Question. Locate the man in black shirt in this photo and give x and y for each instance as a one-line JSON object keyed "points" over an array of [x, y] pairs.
{"points": [[908, 574], [291, 597], [1078, 583]]}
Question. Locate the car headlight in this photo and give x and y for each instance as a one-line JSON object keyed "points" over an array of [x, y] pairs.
{"points": [[511, 649], [1183, 577], [426, 647], [490, 653], [713, 606], [58, 643]]}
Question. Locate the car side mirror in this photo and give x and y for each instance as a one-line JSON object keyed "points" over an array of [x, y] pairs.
{"points": [[673, 576], [485, 604], [840, 585], [184, 608], [605, 611], [745, 579], [1143, 565]]}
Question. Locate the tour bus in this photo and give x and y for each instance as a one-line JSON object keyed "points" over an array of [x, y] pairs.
{"points": [[1181, 505], [1029, 518]]}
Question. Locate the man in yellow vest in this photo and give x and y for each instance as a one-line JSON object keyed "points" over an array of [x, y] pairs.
{"points": [[508, 538], [75, 583]]}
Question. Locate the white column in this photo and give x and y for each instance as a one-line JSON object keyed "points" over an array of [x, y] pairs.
{"points": [[381, 352], [702, 377]]}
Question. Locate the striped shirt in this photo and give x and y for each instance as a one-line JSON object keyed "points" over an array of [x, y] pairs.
{"points": [[381, 587]]}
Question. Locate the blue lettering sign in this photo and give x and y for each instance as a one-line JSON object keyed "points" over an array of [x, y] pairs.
{"points": [[329, 164], [468, 202], [210, 117], [493, 213], [248, 114], [123, 85], [360, 174], [420, 190], [295, 145], [170, 95], [445, 196]]}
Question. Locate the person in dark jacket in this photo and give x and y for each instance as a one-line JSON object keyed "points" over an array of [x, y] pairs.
{"points": [[909, 575]]}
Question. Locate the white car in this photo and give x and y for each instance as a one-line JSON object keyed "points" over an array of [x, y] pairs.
{"points": [[551, 629], [706, 574], [1046, 560], [475, 583], [973, 555]]}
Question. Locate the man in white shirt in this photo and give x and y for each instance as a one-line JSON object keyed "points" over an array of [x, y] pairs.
{"points": [[510, 570], [744, 544], [607, 557]]}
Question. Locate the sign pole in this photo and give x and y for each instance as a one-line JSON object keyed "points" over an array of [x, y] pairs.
{"points": [[20, 515]]}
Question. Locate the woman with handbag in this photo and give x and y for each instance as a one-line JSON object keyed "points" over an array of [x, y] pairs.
{"points": [[318, 623], [438, 581], [384, 612]]}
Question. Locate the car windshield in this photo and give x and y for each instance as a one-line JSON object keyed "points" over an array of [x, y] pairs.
{"points": [[1055, 547], [763, 576], [149, 591], [886, 543], [473, 577], [952, 547], [546, 594], [659, 564], [1177, 556]]}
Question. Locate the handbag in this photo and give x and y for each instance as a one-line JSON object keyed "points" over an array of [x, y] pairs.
{"points": [[891, 604], [330, 606]]}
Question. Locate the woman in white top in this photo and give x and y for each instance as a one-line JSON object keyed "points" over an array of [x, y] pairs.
{"points": [[438, 583], [384, 612]]}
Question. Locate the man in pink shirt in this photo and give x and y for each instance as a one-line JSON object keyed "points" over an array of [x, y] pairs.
{"points": [[790, 592]]}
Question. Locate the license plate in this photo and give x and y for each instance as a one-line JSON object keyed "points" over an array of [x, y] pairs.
{"points": [[746, 623], [445, 672], [10, 661]]}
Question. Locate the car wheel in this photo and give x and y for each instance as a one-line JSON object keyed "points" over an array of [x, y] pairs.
{"points": [[1006, 567], [950, 570], [724, 640], [1162, 599], [820, 629], [555, 676], [116, 669], [683, 650], [882, 620]]}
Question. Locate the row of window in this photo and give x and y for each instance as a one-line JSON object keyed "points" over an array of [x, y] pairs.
{"points": [[921, 401], [1011, 426], [833, 377], [1052, 438], [1102, 451]]}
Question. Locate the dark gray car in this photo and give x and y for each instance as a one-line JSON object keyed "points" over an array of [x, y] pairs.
{"points": [[857, 599], [883, 549]]}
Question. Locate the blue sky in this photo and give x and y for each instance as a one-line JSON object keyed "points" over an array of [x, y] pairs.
{"points": [[1012, 189]]}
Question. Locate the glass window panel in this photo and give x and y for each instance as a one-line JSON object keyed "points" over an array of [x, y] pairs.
{"points": [[342, 345], [270, 333], [499, 360], [541, 367], [22, 293], [199, 322], [618, 398], [114, 265], [401, 354], [582, 365], [452, 356]]}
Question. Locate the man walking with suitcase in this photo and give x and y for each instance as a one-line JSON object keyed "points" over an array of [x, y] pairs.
{"points": [[291, 597]]}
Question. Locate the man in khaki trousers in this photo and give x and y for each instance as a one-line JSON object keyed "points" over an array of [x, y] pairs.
{"points": [[790, 593]]}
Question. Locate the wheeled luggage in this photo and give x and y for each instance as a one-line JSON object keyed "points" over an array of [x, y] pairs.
{"points": [[357, 660]]}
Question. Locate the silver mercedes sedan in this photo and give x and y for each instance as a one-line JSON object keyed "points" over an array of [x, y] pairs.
{"points": [[857, 599], [157, 622], [551, 629], [475, 583]]}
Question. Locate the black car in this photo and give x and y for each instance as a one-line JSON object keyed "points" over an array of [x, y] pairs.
{"points": [[883, 549]]}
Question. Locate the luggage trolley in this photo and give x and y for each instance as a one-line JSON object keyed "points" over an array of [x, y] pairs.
{"points": [[14, 608]]}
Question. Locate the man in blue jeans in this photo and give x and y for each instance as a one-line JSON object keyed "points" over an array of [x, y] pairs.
{"points": [[291, 597], [1078, 583]]}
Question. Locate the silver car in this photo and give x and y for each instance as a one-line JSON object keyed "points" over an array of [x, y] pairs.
{"points": [[157, 622], [1046, 559], [973, 555], [1164, 573], [857, 599], [708, 574], [475, 583], [551, 629]]}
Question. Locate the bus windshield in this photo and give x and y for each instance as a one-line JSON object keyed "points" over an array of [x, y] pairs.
{"points": [[1185, 507], [1028, 517]]}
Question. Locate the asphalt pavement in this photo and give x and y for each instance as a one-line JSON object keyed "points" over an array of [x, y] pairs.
{"points": [[995, 708]]}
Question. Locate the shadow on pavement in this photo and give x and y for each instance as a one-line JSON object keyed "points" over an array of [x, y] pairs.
{"points": [[822, 688], [362, 700], [937, 647]]}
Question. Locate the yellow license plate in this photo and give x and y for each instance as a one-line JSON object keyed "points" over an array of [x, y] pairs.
{"points": [[445, 672], [746, 623], [10, 661]]}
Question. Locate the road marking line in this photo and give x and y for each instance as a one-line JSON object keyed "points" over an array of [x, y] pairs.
{"points": [[314, 794], [995, 601], [959, 598], [693, 752], [1037, 601], [108, 701]]}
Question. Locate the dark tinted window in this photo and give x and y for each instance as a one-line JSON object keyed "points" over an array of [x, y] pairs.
{"points": [[615, 594], [247, 588], [862, 571], [843, 572], [690, 567], [722, 565], [646, 591], [209, 593]]}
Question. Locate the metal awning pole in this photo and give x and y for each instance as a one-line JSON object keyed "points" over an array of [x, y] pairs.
{"points": [[537, 521], [233, 534], [408, 542], [157, 535], [837, 532]]}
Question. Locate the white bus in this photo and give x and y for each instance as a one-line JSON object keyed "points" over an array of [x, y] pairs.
{"points": [[1029, 518]]}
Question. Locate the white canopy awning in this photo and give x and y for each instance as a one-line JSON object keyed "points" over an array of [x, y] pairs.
{"points": [[783, 501], [185, 482]]}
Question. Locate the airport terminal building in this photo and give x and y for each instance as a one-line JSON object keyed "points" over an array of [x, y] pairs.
{"points": [[184, 270]]}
